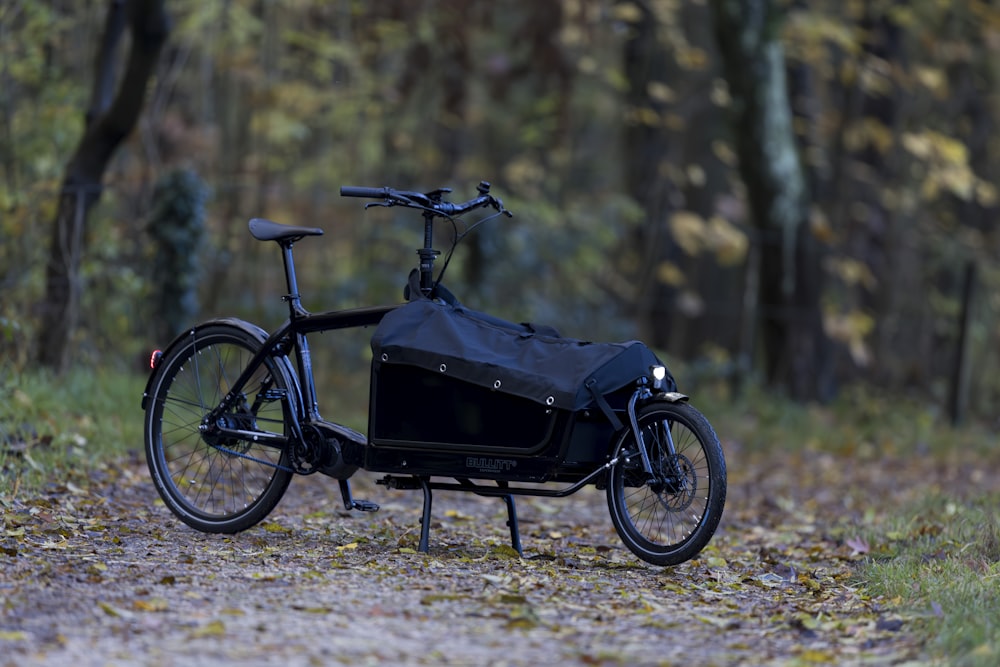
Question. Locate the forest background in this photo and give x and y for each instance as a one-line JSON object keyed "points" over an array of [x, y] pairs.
{"points": [[615, 131]]}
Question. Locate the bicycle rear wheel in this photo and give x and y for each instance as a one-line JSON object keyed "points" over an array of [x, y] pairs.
{"points": [[212, 483], [669, 517]]}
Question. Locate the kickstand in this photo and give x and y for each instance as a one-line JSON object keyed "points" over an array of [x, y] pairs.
{"points": [[515, 533], [425, 521]]}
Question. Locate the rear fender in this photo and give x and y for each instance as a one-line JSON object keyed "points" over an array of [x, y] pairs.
{"points": [[255, 331]]}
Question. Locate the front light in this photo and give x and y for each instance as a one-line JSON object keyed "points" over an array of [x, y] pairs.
{"points": [[659, 374]]}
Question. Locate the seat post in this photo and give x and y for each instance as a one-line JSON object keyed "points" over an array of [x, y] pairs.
{"points": [[295, 311], [293, 297]]}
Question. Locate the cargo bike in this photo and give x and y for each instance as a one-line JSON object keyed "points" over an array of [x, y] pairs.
{"points": [[459, 401]]}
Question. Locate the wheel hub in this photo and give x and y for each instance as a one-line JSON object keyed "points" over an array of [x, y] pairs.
{"points": [[676, 490], [214, 435]]}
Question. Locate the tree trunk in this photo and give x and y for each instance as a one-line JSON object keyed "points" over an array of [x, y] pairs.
{"points": [[796, 350], [109, 120], [646, 148]]}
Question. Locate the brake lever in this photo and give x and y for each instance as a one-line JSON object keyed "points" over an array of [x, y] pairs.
{"points": [[386, 204], [498, 205]]}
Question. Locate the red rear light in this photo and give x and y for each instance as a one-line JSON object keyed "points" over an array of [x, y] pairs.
{"points": [[154, 359]]}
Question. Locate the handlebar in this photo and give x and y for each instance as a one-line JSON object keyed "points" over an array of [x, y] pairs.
{"points": [[430, 201], [367, 193]]}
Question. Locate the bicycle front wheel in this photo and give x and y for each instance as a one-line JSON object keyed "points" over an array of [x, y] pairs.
{"points": [[668, 517], [213, 483]]}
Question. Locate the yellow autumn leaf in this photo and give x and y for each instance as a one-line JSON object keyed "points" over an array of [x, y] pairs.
{"points": [[647, 116], [273, 527], [688, 229], [950, 150], [957, 179], [933, 79], [727, 241], [669, 273], [918, 145], [628, 12], [660, 92], [152, 604], [869, 132], [725, 153], [818, 657], [210, 629], [852, 272], [986, 194], [116, 612], [692, 58], [851, 328], [716, 561]]}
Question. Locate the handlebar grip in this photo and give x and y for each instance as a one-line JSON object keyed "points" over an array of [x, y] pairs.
{"points": [[367, 193]]}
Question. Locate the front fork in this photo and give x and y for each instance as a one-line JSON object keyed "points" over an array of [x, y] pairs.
{"points": [[644, 392]]}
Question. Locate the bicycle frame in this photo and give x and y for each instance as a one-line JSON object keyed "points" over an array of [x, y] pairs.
{"points": [[299, 323]]}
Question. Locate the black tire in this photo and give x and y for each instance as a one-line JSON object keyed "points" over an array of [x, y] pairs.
{"points": [[668, 520], [216, 486]]}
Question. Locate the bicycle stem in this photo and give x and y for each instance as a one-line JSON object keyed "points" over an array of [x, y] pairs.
{"points": [[427, 254]]}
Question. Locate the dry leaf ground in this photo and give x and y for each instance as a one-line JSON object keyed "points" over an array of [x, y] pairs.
{"points": [[102, 574]]}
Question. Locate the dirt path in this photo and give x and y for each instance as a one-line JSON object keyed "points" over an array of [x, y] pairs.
{"points": [[102, 575]]}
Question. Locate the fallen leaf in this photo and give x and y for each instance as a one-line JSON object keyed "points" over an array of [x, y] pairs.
{"points": [[111, 610], [210, 629], [152, 604], [859, 546]]}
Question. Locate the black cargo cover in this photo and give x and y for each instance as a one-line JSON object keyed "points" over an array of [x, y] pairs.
{"points": [[511, 358]]}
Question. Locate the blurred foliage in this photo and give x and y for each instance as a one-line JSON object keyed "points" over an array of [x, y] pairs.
{"points": [[177, 225], [276, 104]]}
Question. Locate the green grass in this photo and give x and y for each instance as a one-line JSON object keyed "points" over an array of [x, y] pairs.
{"points": [[939, 562], [55, 430]]}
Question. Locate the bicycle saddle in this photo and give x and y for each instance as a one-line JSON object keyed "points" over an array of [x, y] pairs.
{"points": [[268, 230]]}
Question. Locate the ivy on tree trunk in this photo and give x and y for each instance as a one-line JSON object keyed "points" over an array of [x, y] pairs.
{"points": [[110, 118], [796, 349]]}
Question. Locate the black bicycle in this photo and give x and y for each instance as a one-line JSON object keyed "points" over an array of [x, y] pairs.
{"points": [[459, 400]]}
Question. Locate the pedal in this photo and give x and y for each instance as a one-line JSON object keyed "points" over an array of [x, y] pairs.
{"points": [[364, 506], [352, 504]]}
